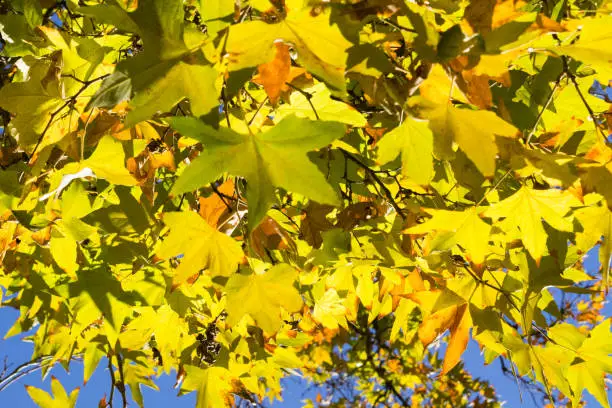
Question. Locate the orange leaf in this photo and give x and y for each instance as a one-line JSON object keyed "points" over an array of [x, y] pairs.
{"points": [[270, 235], [274, 74], [460, 335], [213, 208]]}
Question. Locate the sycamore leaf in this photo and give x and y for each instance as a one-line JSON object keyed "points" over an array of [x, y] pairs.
{"points": [[586, 360], [274, 74], [526, 208], [592, 46], [32, 102], [455, 317], [273, 158], [474, 131], [108, 162], [202, 247], [212, 384], [161, 86], [329, 309], [596, 223], [320, 47], [262, 296], [115, 89], [170, 68], [327, 108], [97, 292], [58, 399], [414, 141], [468, 229]]}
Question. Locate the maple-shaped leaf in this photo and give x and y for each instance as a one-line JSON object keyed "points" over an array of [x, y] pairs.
{"points": [[273, 75], [592, 45], [135, 376], [327, 108], [262, 296], [171, 67], [214, 209], [573, 359], [414, 141], [474, 131], [276, 157], [321, 48], [202, 247], [596, 223], [58, 398], [330, 309], [97, 292], [452, 314], [213, 386], [465, 228], [526, 208], [33, 101]]}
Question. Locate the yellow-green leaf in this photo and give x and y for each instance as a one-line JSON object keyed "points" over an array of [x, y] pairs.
{"points": [[201, 247], [262, 296], [414, 141]]}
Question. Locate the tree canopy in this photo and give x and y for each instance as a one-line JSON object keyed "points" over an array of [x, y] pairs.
{"points": [[241, 191]]}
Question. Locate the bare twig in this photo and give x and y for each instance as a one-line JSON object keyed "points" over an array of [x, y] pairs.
{"points": [[67, 103], [121, 385], [375, 177], [23, 370]]}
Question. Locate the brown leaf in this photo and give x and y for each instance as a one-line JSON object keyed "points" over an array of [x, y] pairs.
{"points": [[356, 213], [271, 236], [314, 222]]}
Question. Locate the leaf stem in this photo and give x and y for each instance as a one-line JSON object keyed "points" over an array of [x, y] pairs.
{"points": [[308, 97]]}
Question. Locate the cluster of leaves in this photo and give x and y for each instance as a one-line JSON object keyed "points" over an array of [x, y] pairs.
{"points": [[241, 191]]}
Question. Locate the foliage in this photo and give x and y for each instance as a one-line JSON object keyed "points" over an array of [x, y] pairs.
{"points": [[241, 191]]}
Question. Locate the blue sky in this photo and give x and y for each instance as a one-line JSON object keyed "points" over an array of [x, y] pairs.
{"points": [[19, 352]]}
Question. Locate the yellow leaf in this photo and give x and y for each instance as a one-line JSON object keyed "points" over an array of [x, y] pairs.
{"points": [[525, 210], [202, 247], [329, 309], [262, 296]]}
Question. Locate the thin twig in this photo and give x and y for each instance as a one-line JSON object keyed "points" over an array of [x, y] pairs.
{"points": [[121, 386], [23, 370], [308, 97], [375, 177], [495, 187], [113, 381], [56, 112], [545, 107]]}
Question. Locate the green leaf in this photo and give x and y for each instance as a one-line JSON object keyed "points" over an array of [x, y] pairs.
{"points": [[115, 89], [327, 108], [33, 12], [202, 247], [262, 296], [160, 86], [170, 68], [275, 158], [414, 141], [32, 102]]}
